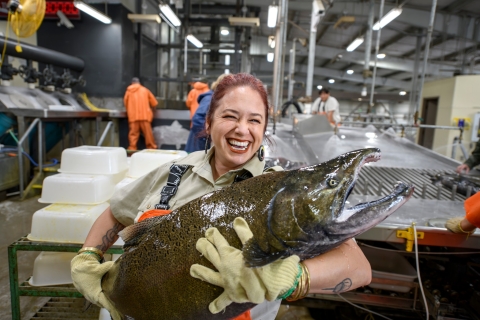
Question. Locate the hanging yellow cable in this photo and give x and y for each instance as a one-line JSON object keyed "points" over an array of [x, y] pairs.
{"points": [[5, 42]]}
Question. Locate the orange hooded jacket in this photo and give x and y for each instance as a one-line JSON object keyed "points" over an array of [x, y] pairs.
{"points": [[192, 103], [139, 102]]}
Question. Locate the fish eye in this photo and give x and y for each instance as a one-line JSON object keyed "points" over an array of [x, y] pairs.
{"points": [[332, 183]]}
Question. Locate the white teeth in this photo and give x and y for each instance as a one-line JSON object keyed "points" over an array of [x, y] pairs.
{"points": [[238, 143]]}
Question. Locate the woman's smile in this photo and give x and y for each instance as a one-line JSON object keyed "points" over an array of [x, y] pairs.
{"points": [[238, 146]]}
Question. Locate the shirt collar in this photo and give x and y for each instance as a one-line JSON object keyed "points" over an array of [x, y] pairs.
{"points": [[254, 165]]}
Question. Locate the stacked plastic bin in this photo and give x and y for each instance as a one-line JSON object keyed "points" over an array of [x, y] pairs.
{"points": [[78, 195], [88, 178]]}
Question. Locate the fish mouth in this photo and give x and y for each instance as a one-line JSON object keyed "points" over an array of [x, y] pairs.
{"points": [[379, 209]]}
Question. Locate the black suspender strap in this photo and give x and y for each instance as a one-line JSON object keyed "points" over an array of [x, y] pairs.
{"points": [[174, 178]]}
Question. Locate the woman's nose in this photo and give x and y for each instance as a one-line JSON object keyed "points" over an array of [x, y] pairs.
{"points": [[242, 127]]}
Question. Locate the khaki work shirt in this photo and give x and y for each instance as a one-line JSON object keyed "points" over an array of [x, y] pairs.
{"points": [[128, 203]]}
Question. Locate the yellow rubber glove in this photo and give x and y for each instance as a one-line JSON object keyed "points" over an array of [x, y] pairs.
{"points": [[87, 273], [240, 283], [454, 225]]}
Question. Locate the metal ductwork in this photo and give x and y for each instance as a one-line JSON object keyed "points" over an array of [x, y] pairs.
{"points": [[42, 55]]}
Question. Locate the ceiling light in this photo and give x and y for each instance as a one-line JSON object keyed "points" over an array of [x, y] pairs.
{"points": [[143, 18], [319, 87], [392, 14], [227, 71], [226, 50], [355, 44], [331, 81], [381, 55], [270, 56], [350, 71], [224, 32], [227, 60], [364, 91], [402, 93], [92, 12], [272, 16], [271, 42], [170, 15], [197, 43]]}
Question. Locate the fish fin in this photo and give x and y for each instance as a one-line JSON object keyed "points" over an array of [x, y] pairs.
{"points": [[132, 235], [255, 257]]}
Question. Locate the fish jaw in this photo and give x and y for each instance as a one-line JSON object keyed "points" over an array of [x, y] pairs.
{"points": [[307, 201], [364, 216]]}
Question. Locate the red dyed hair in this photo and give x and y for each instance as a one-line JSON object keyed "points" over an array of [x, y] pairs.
{"points": [[231, 82]]}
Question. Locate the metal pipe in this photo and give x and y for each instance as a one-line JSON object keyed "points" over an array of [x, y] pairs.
{"points": [[413, 93], [291, 81], [185, 51], [281, 24], [40, 146], [104, 134], [426, 52], [201, 61], [312, 42], [20, 153], [42, 55], [368, 40], [428, 126], [377, 48]]}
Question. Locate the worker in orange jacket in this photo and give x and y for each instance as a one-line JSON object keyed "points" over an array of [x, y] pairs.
{"points": [[471, 221], [139, 102], [192, 103]]}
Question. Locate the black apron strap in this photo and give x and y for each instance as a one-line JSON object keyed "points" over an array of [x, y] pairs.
{"points": [[174, 178]]}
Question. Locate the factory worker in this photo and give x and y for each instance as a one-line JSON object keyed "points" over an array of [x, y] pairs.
{"points": [[139, 102], [328, 105], [192, 98], [236, 125], [472, 161], [195, 142], [471, 221]]}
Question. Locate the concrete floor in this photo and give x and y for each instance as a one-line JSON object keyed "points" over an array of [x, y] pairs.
{"points": [[15, 222]]}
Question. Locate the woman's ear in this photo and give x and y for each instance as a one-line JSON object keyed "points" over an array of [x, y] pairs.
{"points": [[207, 128]]}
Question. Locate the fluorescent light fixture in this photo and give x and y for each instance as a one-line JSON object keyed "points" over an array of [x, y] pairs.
{"points": [[350, 71], [331, 80], [272, 16], [381, 56], [227, 71], [197, 43], [319, 87], [227, 60], [170, 15], [80, 5], [228, 51], [386, 19], [270, 56], [364, 91], [355, 44], [402, 93], [224, 32], [143, 18]]}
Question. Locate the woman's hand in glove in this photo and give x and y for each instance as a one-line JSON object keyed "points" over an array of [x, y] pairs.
{"points": [[87, 273], [242, 284]]}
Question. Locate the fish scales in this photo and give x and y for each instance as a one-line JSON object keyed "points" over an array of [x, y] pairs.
{"points": [[291, 212]]}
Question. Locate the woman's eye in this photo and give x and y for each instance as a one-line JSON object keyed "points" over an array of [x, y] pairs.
{"points": [[255, 120], [332, 183]]}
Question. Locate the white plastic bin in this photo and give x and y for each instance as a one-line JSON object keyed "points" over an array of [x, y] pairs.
{"points": [[52, 268], [389, 265], [77, 188], [123, 183], [94, 160], [64, 222], [149, 159]]}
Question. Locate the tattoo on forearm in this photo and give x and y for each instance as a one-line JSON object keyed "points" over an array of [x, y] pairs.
{"points": [[342, 286], [109, 238]]}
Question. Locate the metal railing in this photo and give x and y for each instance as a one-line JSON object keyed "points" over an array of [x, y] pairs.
{"points": [[104, 134], [35, 122]]}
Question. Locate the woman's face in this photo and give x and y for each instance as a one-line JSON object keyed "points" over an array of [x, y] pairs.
{"points": [[237, 127]]}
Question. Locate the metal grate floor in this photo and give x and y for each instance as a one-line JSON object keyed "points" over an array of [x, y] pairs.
{"points": [[380, 181], [66, 308]]}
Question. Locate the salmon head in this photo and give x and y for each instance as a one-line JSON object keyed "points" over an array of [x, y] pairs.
{"points": [[308, 214]]}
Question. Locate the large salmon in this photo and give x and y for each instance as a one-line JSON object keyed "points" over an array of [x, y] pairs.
{"points": [[291, 212]]}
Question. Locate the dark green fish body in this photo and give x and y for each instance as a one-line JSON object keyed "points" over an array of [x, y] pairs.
{"points": [[292, 212]]}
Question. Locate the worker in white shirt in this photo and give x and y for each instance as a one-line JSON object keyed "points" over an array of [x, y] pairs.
{"points": [[328, 105]]}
